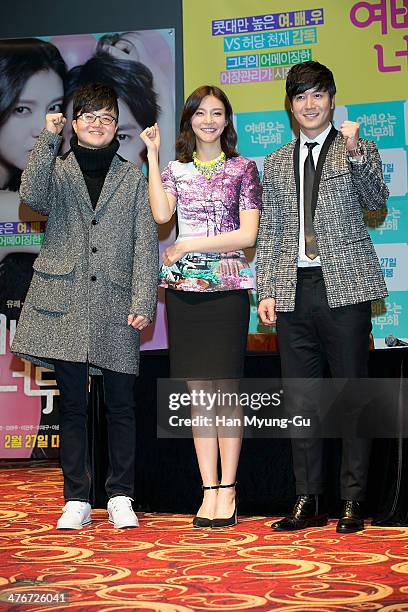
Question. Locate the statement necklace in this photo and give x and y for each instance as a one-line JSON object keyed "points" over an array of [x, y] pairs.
{"points": [[209, 168]]}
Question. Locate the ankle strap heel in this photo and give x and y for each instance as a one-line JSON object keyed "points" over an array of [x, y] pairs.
{"points": [[203, 521], [231, 520], [229, 486]]}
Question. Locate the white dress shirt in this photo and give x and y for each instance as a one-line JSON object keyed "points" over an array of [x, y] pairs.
{"points": [[303, 260]]}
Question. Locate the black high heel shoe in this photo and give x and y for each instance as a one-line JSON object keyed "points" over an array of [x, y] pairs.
{"points": [[233, 519], [202, 521]]}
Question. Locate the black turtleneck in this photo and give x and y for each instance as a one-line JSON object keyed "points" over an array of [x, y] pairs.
{"points": [[94, 164]]}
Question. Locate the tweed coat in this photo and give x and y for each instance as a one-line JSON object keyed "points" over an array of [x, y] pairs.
{"points": [[350, 267], [95, 267]]}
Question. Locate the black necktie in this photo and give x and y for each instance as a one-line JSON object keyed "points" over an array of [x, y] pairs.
{"points": [[308, 180]]}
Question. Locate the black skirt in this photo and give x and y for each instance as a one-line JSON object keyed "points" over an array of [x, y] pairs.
{"points": [[207, 333]]}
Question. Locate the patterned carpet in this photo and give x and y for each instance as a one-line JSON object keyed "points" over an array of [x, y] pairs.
{"points": [[166, 565]]}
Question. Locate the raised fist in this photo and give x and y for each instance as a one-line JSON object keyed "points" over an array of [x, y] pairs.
{"points": [[350, 132], [151, 138], [54, 122]]}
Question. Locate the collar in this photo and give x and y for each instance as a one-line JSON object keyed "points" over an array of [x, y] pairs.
{"points": [[94, 160], [319, 139]]}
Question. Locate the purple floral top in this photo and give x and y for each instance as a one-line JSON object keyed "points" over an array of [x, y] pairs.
{"points": [[207, 208]]}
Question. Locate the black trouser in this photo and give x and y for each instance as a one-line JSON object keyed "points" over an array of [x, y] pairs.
{"points": [[308, 337], [72, 380]]}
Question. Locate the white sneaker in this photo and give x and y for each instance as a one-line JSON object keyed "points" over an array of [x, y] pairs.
{"points": [[75, 515], [121, 512]]}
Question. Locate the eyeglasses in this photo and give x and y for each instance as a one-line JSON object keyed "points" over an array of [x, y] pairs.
{"points": [[91, 118]]}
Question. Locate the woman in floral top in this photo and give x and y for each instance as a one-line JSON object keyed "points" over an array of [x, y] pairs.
{"points": [[217, 196]]}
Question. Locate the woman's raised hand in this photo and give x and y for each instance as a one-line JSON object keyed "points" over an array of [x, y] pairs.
{"points": [[151, 138], [54, 122]]}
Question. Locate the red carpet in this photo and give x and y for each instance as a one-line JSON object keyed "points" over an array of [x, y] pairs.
{"points": [[169, 566]]}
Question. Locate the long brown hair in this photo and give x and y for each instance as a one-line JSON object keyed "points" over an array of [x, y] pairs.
{"points": [[186, 141]]}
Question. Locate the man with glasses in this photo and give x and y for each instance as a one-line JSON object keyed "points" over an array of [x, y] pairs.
{"points": [[93, 291]]}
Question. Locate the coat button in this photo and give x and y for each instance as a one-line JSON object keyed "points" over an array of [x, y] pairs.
{"points": [[94, 222], [93, 278], [94, 250]]}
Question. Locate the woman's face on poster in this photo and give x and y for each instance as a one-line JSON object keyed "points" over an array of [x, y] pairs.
{"points": [[128, 132], [42, 93]]}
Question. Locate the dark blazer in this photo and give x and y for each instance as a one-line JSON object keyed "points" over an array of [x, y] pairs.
{"points": [[350, 266], [95, 267]]}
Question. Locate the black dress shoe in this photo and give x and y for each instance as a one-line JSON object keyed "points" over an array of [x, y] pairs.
{"points": [[306, 513], [352, 518], [203, 521], [231, 520]]}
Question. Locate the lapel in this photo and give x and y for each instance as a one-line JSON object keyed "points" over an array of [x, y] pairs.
{"points": [[319, 168], [76, 180], [115, 174], [118, 169], [296, 169], [320, 163], [290, 169]]}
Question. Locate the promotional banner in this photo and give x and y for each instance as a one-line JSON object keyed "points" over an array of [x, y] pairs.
{"points": [[39, 76], [247, 48]]}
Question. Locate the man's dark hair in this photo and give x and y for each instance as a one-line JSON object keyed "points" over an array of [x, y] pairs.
{"points": [[309, 75], [92, 97]]}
